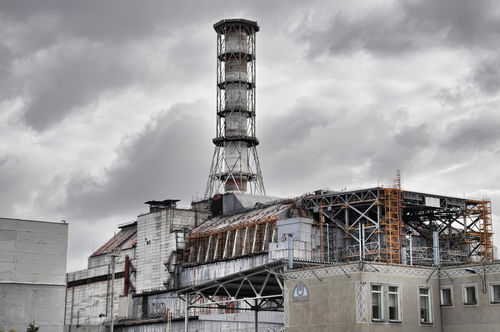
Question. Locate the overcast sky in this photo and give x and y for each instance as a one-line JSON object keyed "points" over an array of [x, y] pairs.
{"points": [[107, 104]]}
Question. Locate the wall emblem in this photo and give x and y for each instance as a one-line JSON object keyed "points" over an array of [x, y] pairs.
{"points": [[300, 293]]}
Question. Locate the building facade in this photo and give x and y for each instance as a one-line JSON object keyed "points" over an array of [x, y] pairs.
{"points": [[381, 297], [32, 274]]}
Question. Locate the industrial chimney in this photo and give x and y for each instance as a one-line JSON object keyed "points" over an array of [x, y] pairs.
{"points": [[235, 164]]}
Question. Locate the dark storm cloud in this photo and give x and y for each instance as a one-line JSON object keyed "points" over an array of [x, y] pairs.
{"points": [[486, 75], [331, 148], [474, 134], [79, 76], [406, 26], [58, 78], [161, 162]]}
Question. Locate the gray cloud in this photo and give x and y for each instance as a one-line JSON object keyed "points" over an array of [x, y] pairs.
{"points": [[473, 134], [353, 119], [80, 75], [487, 75], [406, 26], [163, 161]]}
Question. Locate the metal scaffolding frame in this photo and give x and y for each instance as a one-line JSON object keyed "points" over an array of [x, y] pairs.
{"points": [[367, 226]]}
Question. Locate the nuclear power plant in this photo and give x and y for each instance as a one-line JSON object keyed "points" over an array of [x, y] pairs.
{"points": [[372, 259]]}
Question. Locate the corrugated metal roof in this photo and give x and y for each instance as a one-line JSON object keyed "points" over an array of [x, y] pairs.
{"points": [[126, 238], [278, 210]]}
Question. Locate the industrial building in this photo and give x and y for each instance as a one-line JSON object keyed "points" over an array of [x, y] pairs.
{"points": [[32, 274], [372, 259]]}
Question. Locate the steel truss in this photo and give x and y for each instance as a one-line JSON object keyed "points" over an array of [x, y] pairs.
{"points": [[235, 241], [258, 289], [235, 164], [359, 221]]}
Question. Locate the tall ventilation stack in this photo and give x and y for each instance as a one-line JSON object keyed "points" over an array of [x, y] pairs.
{"points": [[235, 164]]}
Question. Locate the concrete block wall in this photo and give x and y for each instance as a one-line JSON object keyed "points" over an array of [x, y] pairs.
{"points": [[32, 274], [104, 260], [279, 250], [85, 303], [33, 251], [158, 235], [154, 244], [240, 322], [21, 304]]}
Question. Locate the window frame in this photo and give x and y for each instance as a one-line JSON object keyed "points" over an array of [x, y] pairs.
{"points": [[398, 301], [464, 295], [491, 293], [381, 306], [429, 302], [450, 287]]}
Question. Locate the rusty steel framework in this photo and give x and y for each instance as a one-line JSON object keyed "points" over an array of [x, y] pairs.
{"points": [[235, 164], [372, 224], [229, 242]]}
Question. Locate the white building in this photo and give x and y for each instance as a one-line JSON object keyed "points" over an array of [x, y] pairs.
{"points": [[32, 274]]}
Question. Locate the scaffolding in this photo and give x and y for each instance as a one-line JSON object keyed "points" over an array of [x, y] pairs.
{"points": [[392, 223], [371, 224], [479, 229]]}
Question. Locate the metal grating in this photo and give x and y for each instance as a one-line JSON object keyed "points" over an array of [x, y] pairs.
{"points": [[286, 312], [361, 302]]}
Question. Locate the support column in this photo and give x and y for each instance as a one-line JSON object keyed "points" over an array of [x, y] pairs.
{"points": [[256, 316], [186, 314]]}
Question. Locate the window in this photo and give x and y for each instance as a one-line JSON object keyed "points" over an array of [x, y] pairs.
{"points": [[446, 296], [495, 293], [424, 300], [376, 302], [394, 300], [469, 294]]}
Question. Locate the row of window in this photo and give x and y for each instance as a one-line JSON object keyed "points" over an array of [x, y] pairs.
{"points": [[393, 305], [469, 294]]}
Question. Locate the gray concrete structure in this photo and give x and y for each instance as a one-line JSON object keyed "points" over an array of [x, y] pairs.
{"points": [[381, 297], [32, 274]]}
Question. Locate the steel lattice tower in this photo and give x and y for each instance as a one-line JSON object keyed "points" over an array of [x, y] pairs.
{"points": [[235, 164]]}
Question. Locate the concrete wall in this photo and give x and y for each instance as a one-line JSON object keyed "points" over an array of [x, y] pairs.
{"points": [[85, 303], [241, 322], [484, 317], [337, 303], [158, 235], [32, 274], [21, 304]]}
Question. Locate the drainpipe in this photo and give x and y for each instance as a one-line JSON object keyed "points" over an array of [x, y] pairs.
{"points": [[290, 251]]}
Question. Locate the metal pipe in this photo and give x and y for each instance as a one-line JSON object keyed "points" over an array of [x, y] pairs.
{"points": [[411, 249], [290, 251], [186, 314], [113, 264], [328, 242], [435, 243], [321, 235]]}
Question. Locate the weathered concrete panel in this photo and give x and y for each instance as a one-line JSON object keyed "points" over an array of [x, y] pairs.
{"points": [[32, 274], [6, 235], [23, 304], [33, 251], [484, 316]]}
